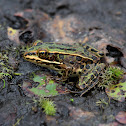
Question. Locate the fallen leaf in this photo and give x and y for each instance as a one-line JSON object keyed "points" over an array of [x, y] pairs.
{"points": [[121, 117], [13, 34], [45, 87], [117, 92], [110, 124], [77, 113]]}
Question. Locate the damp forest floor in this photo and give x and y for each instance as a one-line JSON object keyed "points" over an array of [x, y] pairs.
{"points": [[100, 23]]}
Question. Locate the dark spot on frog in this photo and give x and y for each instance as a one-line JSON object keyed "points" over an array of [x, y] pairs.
{"points": [[122, 92], [78, 58], [94, 82], [101, 54], [30, 53], [88, 61], [38, 60], [120, 86], [27, 58], [84, 86], [50, 54], [115, 86], [98, 68], [87, 66], [83, 44], [69, 72], [86, 52], [39, 43], [32, 48], [32, 59], [92, 76], [67, 45], [95, 73], [71, 62], [94, 57], [87, 47], [74, 73], [81, 66], [91, 85], [93, 50], [71, 49], [85, 74], [61, 56], [58, 67]]}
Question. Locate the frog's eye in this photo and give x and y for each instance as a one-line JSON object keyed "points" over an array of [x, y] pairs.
{"points": [[42, 54]]}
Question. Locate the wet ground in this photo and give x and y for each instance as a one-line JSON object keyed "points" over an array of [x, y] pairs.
{"points": [[97, 22]]}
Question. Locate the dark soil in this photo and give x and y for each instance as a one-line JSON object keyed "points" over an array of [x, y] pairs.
{"points": [[97, 19]]}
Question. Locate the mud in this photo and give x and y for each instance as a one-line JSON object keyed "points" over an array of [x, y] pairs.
{"points": [[101, 21]]}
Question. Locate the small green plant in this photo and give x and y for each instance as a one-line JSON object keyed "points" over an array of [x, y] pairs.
{"points": [[2, 75], [48, 106], [111, 76], [5, 69], [102, 103], [18, 121]]}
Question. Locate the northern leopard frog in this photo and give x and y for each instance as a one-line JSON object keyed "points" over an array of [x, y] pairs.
{"points": [[77, 60]]}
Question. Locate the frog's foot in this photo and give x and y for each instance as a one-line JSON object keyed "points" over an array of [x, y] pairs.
{"points": [[90, 84]]}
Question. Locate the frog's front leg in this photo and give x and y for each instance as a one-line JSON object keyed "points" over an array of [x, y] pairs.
{"points": [[89, 79]]}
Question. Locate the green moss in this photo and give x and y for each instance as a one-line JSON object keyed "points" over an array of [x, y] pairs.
{"points": [[102, 103], [5, 69], [48, 106], [111, 76]]}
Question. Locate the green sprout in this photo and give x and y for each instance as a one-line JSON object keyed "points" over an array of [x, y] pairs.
{"points": [[18, 121], [111, 76], [48, 106], [3, 75], [102, 103]]}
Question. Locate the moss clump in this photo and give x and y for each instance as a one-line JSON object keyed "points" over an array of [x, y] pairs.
{"points": [[48, 106], [111, 76], [5, 69]]}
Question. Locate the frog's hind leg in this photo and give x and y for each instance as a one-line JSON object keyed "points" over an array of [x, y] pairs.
{"points": [[90, 84], [90, 79]]}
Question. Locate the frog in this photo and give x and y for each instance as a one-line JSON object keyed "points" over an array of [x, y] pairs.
{"points": [[77, 60]]}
